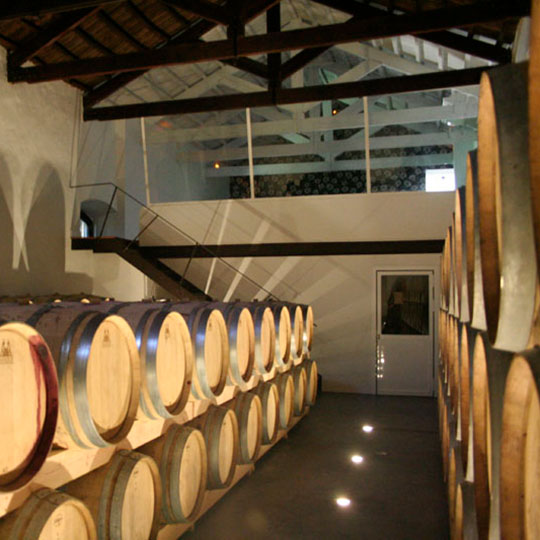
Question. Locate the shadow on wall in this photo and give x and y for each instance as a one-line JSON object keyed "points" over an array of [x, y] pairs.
{"points": [[42, 260]]}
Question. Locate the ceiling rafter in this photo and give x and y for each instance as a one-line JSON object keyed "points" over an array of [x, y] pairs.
{"points": [[190, 53], [194, 32], [49, 35], [202, 8], [412, 83], [24, 8], [467, 45]]}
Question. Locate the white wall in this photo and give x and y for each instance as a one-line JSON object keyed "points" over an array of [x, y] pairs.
{"points": [[340, 289], [37, 207]]}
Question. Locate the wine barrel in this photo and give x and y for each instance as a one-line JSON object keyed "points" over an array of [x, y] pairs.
{"points": [[312, 381], [475, 287], [506, 230], [490, 367], [124, 497], [453, 366], [307, 312], [461, 255], [269, 396], [457, 524], [299, 376], [455, 477], [182, 459], [445, 438], [49, 515], [265, 335], [220, 430], [282, 321], [465, 392], [241, 333], [210, 347], [297, 328], [166, 356], [445, 271], [248, 410], [28, 404], [534, 121], [285, 385], [520, 453], [98, 370], [443, 330]]}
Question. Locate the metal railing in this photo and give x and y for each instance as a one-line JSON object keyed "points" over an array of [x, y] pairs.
{"points": [[156, 217]]}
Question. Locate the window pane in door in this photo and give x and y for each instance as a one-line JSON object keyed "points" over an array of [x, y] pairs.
{"points": [[405, 304]]}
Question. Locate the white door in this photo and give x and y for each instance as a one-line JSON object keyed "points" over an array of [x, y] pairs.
{"points": [[404, 347]]}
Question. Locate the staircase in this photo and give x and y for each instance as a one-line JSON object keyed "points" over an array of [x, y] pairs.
{"points": [[152, 267]]}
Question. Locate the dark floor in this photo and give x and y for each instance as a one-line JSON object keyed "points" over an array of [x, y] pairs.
{"points": [[397, 492]]}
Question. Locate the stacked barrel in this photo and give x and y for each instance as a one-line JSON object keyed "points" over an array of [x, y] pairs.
{"points": [[489, 324], [221, 379]]}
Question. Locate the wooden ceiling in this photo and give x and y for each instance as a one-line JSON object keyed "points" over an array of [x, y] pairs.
{"points": [[100, 46]]}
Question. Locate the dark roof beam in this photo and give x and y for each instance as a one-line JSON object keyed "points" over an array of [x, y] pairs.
{"points": [[202, 8], [26, 8], [49, 35], [288, 96], [321, 36], [463, 44], [273, 24]]}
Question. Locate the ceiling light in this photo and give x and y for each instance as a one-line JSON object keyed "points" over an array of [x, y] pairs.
{"points": [[356, 459], [366, 428], [217, 165], [334, 112], [343, 502]]}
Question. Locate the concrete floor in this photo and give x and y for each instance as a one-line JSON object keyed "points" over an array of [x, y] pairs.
{"points": [[397, 493]]}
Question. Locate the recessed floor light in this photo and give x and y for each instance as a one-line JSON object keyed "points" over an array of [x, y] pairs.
{"points": [[343, 502]]}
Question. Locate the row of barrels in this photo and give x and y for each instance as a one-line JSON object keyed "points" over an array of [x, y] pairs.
{"points": [[165, 481], [489, 417], [79, 375], [489, 274]]}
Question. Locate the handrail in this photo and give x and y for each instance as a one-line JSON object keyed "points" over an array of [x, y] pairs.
{"points": [[156, 216]]}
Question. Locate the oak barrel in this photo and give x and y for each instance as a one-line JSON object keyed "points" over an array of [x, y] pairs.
{"points": [[248, 409], [182, 459], [307, 312], [465, 392], [520, 453], [312, 381], [457, 524], [49, 515], [455, 477], [210, 347], [98, 370], [534, 121], [285, 385], [506, 230], [166, 354], [282, 320], [241, 333], [490, 367], [269, 395], [297, 328], [299, 376], [28, 404], [475, 287], [220, 430], [265, 335], [123, 497], [460, 268]]}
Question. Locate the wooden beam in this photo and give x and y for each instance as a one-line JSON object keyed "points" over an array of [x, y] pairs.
{"points": [[299, 61], [292, 249], [273, 24], [451, 40], [287, 96], [26, 8], [194, 32], [207, 10], [55, 31], [250, 66], [104, 90], [190, 53]]}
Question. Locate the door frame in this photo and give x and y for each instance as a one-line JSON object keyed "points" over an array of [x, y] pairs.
{"points": [[435, 286]]}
